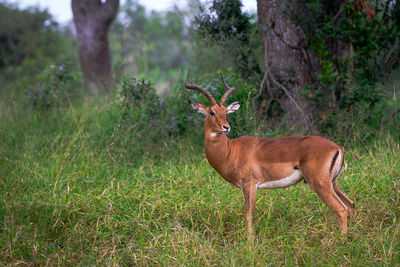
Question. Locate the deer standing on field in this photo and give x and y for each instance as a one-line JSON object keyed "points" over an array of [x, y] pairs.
{"points": [[251, 163]]}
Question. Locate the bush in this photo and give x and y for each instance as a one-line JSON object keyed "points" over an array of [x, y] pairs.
{"points": [[149, 115], [30, 40], [356, 50], [224, 24], [58, 86]]}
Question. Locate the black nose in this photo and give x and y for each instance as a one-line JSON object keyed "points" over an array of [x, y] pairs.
{"points": [[226, 127]]}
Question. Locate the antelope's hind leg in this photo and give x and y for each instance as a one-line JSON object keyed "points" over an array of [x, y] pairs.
{"points": [[347, 201], [326, 192], [321, 183]]}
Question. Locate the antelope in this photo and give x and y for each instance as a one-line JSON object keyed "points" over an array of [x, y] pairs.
{"points": [[251, 163]]}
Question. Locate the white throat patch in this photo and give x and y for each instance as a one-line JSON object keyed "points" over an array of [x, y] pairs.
{"points": [[213, 134], [284, 182]]}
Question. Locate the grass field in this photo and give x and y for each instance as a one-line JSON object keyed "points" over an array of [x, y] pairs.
{"points": [[76, 191]]}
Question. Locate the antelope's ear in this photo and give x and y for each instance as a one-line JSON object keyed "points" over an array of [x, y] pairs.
{"points": [[198, 107], [233, 107]]}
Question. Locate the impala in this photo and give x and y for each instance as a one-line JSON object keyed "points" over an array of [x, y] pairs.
{"points": [[251, 163]]}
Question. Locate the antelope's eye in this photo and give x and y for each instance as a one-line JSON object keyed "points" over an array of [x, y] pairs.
{"points": [[212, 113]]}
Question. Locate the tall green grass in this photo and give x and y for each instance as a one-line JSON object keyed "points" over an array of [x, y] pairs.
{"points": [[76, 189]]}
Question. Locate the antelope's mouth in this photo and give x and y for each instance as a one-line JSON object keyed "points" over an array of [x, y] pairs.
{"points": [[224, 131]]}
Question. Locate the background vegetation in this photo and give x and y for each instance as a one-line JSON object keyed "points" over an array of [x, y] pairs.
{"points": [[122, 178]]}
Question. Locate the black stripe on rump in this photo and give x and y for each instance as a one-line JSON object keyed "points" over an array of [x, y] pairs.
{"points": [[334, 160]]}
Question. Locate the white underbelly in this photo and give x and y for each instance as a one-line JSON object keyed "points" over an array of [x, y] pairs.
{"points": [[284, 182]]}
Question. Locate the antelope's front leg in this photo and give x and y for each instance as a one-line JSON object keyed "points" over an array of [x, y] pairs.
{"points": [[250, 195]]}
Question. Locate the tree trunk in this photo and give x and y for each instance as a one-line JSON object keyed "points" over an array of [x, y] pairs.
{"points": [[92, 20], [288, 66]]}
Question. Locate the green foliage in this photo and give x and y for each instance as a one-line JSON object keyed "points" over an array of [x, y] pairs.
{"points": [[76, 189], [355, 49], [143, 41], [224, 20], [350, 49], [30, 40], [124, 180], [152, 117], [18, 30], [58, 87], [224, 24], [146, 114], [139, 102]]}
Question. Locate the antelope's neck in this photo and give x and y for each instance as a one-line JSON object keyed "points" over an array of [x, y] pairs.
{"points": [[218, 148]]}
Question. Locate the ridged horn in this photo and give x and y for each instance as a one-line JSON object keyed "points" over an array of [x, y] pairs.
{"points": [[199, 88], [227, 93]]}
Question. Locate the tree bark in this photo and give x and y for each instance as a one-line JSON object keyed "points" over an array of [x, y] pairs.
{"points": [[92, 20], [287, 64]]}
